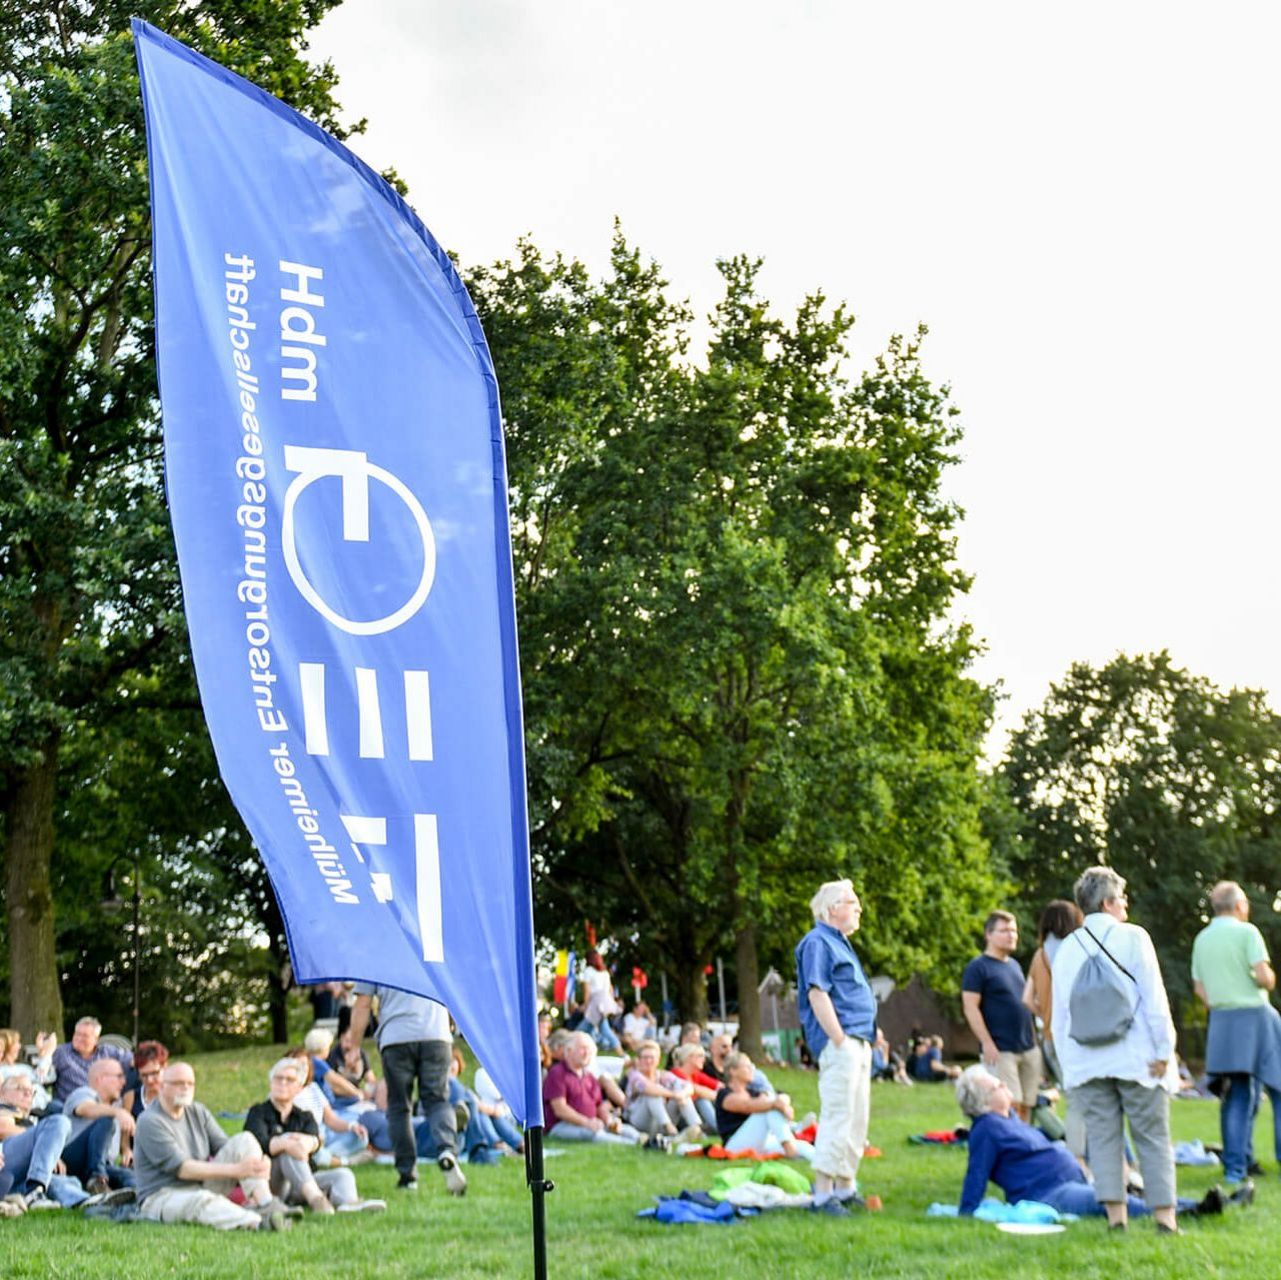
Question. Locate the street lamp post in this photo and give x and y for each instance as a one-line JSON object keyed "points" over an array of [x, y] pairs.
{"points": [[136, 858]]}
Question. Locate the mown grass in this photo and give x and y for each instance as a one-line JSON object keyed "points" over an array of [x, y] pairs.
{"points": [[593, 1231]]}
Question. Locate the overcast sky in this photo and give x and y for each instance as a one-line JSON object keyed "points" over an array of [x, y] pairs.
{"points": [[1080, 201]]}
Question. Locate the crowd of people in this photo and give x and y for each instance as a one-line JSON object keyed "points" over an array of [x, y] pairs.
{"points": [[93, 1125]]}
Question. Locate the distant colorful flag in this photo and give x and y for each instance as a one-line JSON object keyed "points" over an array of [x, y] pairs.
{"points": [[564, 983]]}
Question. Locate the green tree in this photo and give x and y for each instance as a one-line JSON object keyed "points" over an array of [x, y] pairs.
{"points": [[733, 579], [88, 585], [1161, 774]]}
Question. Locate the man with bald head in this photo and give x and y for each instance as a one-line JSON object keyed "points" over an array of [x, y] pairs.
{"points": [[187, 1166], [1232, 975], [98, 1125]]}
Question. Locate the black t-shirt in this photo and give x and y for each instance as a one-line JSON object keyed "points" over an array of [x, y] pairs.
{"points": [[728, 1123], [264, 1122], [999, 984]]}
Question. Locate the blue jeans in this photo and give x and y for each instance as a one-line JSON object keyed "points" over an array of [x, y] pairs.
{"points": [[1237, 1111], [29, 1156], [1079, 1198], [86, 1155], [604, 1036]]}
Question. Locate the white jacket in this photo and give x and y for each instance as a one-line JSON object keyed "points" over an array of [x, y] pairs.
{"points": [[1151, 1035]]}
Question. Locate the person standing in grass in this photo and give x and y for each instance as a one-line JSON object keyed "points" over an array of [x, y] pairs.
{"points": [[838, 1017], [1128, 1076], [1232, 975], [415, 1042], [992, 1001]]}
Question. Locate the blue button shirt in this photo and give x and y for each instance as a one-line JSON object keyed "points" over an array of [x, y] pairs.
{"points": [[826, 960]]}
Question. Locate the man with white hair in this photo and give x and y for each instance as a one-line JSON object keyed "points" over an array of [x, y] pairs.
{"points": [[838, 1016], [1232, 975], [574, 1105], [72, 1061], [187, 1167], [289, 1136]]}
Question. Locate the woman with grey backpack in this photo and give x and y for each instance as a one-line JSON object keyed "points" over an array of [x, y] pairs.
{"points": [[1115, 1041]]}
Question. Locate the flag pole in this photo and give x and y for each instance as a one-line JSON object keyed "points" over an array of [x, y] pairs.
{"points": [[539, 1186]]}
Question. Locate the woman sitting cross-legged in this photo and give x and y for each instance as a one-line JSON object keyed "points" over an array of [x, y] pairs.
{"points": [[1025, 1164], [754, 1121], [658, 1100], [290, 1137]]}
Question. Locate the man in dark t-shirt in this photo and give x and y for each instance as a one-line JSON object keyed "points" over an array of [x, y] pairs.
{"points": [[992, 999]]}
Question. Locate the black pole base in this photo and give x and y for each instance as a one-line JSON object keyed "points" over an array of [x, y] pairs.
{"points": [[539, 1186]]}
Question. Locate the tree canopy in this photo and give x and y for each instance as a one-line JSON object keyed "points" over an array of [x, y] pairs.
{"points": [[733, 583], [88, 584]]}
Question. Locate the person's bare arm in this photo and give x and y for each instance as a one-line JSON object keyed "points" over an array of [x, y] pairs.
{"points": [[97, 1110], [1199, 988], [563, 1111], [825, 1012], [341, 1085], [360, 1012], [745, 1104], [609, 1087], [1265, 975], [203, 1170], [970, 1006]]}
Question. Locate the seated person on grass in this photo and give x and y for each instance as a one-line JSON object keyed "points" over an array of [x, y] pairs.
{"points": [[657, 1101], [187, 1167], [687, 1063], [345, 1137], [99, 1124], [30, 1146], [927, 1063], [886, 1064], [289, 1136], [752, 1121], [142, 1085], [574, 1108], [489, 1125], [1026, 1165]]}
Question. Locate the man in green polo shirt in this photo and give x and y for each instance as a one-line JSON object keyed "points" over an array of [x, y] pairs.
{"points": [[1232, 975]]}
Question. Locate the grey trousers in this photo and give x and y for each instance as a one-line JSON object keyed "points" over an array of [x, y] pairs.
{"points": [[1104, 1107], [289, 1176], [653, 1115]]}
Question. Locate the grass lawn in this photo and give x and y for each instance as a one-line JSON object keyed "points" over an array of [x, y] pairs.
{"points": [[593, 1231]]}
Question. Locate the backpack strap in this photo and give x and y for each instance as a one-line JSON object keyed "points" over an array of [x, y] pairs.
{"points": [[1099, 943]]}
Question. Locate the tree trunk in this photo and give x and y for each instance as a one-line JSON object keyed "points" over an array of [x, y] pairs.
{"points": [[35, 999], [749, 1003], [691, 991]]}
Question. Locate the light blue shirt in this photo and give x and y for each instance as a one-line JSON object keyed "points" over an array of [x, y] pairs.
{"points": [[405, 1019]]}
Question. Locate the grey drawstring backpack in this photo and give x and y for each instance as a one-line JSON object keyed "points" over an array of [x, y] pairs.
{"points": [[1099, 1007]]}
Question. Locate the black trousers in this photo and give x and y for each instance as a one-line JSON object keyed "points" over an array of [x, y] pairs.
{"points": [[427, 1062]]}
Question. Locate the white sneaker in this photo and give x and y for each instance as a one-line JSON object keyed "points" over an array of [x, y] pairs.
{"points": [[363, 1206], [455, 1179]]}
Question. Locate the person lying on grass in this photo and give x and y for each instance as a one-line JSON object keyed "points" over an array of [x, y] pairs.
{"points": [[747, 1120], [1026, 1165]]}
